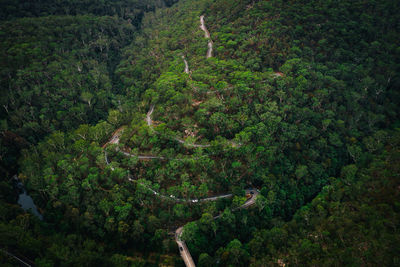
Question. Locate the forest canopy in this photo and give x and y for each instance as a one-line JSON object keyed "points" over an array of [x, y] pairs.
{"points": [[270, 134]]}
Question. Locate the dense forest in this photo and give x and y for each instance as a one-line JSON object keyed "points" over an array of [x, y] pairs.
{"points": [[127, 120]]}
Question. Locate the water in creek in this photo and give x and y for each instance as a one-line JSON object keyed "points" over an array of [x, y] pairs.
{"points": [[25, 201]]}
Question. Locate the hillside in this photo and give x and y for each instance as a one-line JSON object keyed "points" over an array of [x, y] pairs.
{"points": [[258, 133]]}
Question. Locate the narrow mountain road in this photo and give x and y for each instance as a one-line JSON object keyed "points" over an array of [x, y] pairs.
{"points": [[183, 249], [252, 200], [186, 65], [208, 36], [150, 124], [107, 162], [148, 157], [181, 141], [115, 136], [115, 140], [18, 259], [142, 156], [191, 145], [148, 117], [180, 200]]}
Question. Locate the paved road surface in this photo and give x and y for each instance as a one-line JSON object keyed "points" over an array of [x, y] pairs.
{"points": [[115, 137], [15, 257], [191, 145], [177, 200], [148, 117], [181, 141], [184, 251], [186, 65], [150, 124], [208, 36]]}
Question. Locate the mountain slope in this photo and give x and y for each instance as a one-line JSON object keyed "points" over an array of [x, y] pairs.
{"points": [[293, 94]]}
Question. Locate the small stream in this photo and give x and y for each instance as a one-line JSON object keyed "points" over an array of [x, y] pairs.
{"points": [[25, 200]]}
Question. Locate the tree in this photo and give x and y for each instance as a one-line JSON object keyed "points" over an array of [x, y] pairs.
{"points": [[206, 224], [205, 260], [301, 171], [190, 232], [235, 254], [87, 97]]}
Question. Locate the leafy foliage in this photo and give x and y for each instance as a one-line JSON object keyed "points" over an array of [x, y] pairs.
{"points": [[297, 93]]}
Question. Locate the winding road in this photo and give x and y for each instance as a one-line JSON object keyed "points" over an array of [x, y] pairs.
{"points": [[117, 134], [181, 141], [180, 200], [183, 249], [208, 36], [115, 140], [186, 65], [151, 110], [148, 117], [15, 257]]}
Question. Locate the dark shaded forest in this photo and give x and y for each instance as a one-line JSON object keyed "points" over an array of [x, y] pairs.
{"points": [[117, 118]]}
